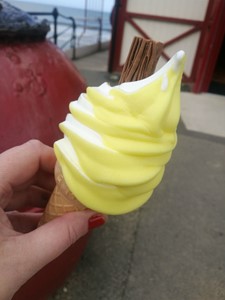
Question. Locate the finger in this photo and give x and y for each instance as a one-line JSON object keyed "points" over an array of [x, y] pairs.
{"points": [[44, 180], [44, 244], [24, 222], [29, 157], [40, 179], [20, 164], [4, 222], [31, 197]]}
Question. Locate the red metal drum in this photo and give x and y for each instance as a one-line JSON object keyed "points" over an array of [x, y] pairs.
{"points": [[37, 82]]}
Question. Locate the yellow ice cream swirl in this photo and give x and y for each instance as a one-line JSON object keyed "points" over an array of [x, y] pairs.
{"points": [[117, 140]]}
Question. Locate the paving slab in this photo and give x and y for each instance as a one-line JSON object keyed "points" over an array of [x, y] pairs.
{"points": [[173, 248]]}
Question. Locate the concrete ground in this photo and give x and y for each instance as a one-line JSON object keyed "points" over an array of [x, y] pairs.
{"points": [[173, 248]]}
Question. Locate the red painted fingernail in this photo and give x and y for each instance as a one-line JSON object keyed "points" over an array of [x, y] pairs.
{"points": [[96, 221]]}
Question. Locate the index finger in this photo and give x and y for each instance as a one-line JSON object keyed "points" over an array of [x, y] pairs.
{"points": [[20, 164]]}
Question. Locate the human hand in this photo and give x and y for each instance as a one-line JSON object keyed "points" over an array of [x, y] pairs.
{"points": [[27, 180]]}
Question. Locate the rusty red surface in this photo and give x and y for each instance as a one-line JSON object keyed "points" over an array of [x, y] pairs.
{"points": [[37, 83]]}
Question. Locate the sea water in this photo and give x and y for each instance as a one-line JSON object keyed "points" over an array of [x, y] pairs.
{"points": [[87, 21], [93, 12]]}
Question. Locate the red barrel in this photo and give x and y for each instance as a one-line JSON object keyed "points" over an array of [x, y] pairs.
{"points": [[37, 82]]}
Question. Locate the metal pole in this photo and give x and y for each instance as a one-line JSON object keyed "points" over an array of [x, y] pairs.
{"points": [[100, 34], [114, 30], [55, 17], [73, 40]]}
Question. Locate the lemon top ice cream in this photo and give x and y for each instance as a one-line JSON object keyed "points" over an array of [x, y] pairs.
{"points": [[117, 140]]}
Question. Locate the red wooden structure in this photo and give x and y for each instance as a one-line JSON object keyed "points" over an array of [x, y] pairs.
{"points": [[211, 29]]}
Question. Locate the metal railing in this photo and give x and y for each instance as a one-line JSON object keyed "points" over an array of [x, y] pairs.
{"points": [[69, 23], [89, 23]]}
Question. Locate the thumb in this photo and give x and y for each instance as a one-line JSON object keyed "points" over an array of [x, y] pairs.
{"points": [[44, 244]]}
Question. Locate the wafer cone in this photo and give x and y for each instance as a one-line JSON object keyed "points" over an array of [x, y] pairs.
{"points": [[61, 201]]}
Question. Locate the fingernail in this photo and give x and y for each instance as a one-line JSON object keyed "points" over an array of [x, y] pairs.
{"points": [[96, 221]]}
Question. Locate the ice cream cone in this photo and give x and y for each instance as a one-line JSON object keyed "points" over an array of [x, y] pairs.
{"points": [[61, 201], [117, 140]]}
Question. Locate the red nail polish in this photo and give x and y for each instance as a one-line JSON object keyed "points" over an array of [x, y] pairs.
{"points": [[96, 221]]}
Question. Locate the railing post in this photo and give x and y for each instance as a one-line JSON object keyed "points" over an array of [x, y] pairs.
{"points": [[114, 19], [73, 39], [100, 34], [55, 17]]}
